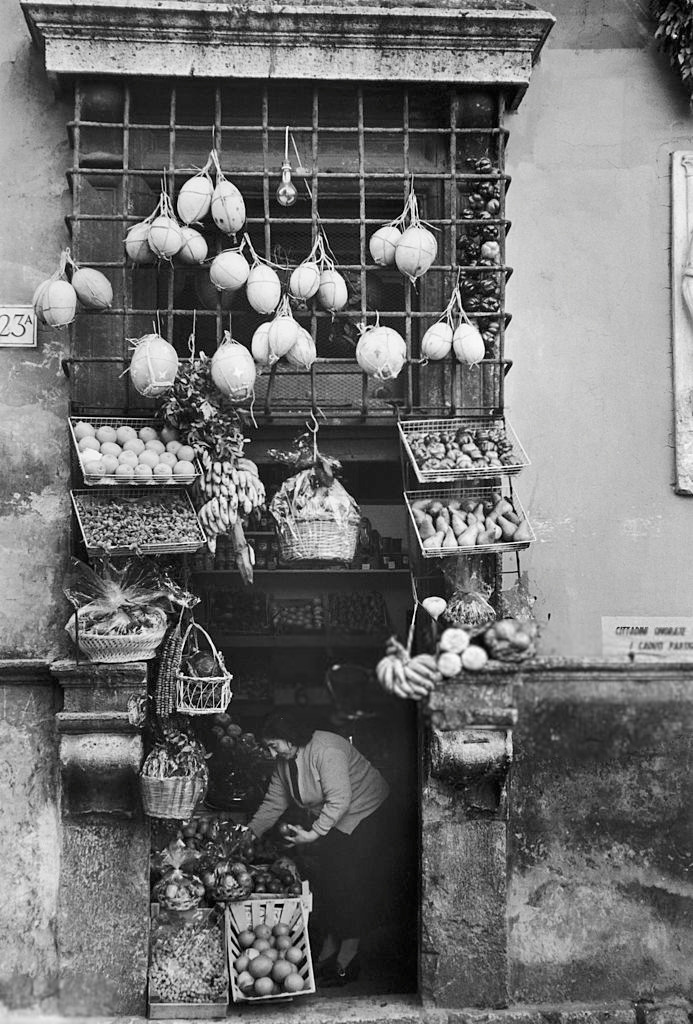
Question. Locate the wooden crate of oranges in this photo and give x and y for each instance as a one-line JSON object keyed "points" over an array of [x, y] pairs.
{"points": [[269, 951]]}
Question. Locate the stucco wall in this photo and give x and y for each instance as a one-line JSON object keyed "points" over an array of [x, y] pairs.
{"points": [[600, 901], [29, 846], [591, 389], [34, 505]]}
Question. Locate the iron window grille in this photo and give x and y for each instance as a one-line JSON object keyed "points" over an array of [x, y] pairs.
{"points": [[360, 147]]}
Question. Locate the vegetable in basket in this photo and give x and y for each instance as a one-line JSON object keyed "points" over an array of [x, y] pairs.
{"points": [[131, 600], [178, 889]]}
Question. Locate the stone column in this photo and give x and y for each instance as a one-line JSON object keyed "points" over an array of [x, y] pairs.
{"points": [[468, 751], [103, 904]]}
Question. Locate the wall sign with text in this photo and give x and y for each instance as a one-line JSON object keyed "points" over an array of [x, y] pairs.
{"points": [[647, 638], [17, 327]]}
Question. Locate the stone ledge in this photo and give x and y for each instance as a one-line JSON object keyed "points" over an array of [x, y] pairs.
{"points": [[409, 1010], [357, 41], [25, 672]]}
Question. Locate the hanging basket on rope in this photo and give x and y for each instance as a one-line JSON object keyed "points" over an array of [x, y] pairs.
{"points": [[203, 684]]}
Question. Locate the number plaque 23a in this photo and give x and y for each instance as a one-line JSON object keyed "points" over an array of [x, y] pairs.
{"points": [[17, 327]]}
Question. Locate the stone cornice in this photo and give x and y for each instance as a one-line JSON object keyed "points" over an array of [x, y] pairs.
{"points": [[436, 41]]}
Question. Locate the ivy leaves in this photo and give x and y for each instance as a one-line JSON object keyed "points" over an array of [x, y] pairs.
{"points": [[674, 34]]}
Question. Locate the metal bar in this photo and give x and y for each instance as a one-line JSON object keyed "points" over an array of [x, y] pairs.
{"points": [[407, 283], [454, 213], [319, 313], [327, 175], [338, 129], [501, 238], [441, 221], [216, 135], [265, 172], [170, 182], [314, 195], [126, 275]]}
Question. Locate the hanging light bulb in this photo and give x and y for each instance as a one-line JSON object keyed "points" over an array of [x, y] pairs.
{"points": [[286, 193]]}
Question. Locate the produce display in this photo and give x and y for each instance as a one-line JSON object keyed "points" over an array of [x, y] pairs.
{"points": [[449, 523], [112, 452], [187, 959], [269, 963], [176, 756], [121, 612], [238, 611], [402, 675], [464, 450], [147, 524], [231, 489], [299, 615], [177, 889], [239, 764], [224, 863], [317, 519], [362, 612]]}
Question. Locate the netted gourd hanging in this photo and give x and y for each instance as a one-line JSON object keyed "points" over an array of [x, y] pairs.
{"points": [[405, 242]]}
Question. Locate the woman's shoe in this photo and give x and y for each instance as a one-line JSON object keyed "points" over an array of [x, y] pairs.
{"points": [[341, 975], [325, 968]]}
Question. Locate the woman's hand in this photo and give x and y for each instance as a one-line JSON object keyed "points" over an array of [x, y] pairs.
{"points": [[300, 837]]}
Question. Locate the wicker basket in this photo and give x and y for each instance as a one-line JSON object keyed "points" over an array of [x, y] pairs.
{"points": [[203, 695], [119, 648], [322, 540], [171, 798]]}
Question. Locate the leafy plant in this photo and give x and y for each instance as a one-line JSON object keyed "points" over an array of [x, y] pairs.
{"points": [[674, 35], [197, 409]]}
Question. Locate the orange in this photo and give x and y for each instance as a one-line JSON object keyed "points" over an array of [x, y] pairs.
{"points": [[263, 987], [106, 434], [127, 458], [293, 955], [88, 441], [262, 931], [261, 966], [134, 444], [293, 982], [146, 458], [184, 471], [282, 970], [83, 429], [260, 944], [241, 963], [110, 448], [124, 434], [281, 929], [283, 942], [246, 938], [155, 446], [148, 434], [186, 453]]}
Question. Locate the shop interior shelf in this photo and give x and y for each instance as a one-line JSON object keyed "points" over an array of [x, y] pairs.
{"points": [[303, 640], [212, 573]]}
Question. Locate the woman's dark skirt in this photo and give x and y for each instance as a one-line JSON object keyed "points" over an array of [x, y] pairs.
{"points": [[348, 874]]}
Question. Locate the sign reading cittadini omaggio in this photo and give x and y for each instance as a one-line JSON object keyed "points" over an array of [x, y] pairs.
{"points": [[647, 638]]}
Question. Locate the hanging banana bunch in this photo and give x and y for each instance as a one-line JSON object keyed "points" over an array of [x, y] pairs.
{"points": [[231, 489], [411, 678]]}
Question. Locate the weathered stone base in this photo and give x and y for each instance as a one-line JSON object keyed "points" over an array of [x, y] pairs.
{"points": [[409, 1010]]}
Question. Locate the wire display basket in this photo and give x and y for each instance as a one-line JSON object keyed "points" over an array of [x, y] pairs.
{"points": [[116, 649], [161, 522], [481, 430], [320, 540], [248, 915], [112, 479], [175, 798], [419, 504], [203, 695]]}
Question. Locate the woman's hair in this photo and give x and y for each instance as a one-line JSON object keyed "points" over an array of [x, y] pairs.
{"points": [[283, 725]]}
